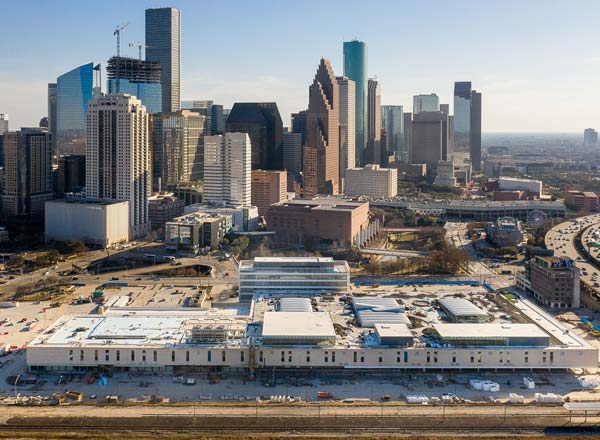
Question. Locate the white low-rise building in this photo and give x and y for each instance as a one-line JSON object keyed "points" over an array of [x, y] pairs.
{"points": [[96, 222], [514, 183], [372, 182]]}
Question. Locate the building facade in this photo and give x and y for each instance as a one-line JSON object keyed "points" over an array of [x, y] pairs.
{"points": [[555, 281], [426, 103], [27, 172], [475, 131], [191, 233], [73, 93], [262, 122], [347, 121], [590, 137], [321, 150], [428, 138], [582, 201], [118, 156], [462, 116], [71, 174], [356, 69], [372, 182], [374, 145], [139, 78], [227, 169], [163, 208], [392, 121], [163, 41], [96, 222], [268, 187]]}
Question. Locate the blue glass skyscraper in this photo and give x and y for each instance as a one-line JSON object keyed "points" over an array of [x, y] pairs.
{"points": [[139, 78], [355, 68], [462, 116], [73, 92]]}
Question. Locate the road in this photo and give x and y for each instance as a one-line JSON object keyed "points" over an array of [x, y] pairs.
{"points": [[561, 239], [456, 234]]}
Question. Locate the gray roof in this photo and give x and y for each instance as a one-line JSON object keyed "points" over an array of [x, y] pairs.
{"points": [[460, 307], [295, 305], [368, 318], [376, 303]]}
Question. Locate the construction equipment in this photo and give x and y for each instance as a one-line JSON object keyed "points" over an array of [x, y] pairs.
{"points": [[139, 45], [117, 32]]}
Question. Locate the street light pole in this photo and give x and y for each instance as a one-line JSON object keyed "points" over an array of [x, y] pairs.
{"points": [[16, 383]]}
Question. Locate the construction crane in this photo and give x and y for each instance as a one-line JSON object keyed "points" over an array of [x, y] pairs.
{"points": [[139, 45], [117, 32]]}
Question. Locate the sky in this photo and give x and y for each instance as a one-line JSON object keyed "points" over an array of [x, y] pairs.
{"points": [[536, 62]]}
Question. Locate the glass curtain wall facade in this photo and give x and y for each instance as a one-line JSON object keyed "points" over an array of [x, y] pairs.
{"points": [[73, 93], [355, 68], [138, 78], [392, 121], [462, 117]]}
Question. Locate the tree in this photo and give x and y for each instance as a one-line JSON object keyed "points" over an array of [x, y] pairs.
{"points": [[373, 268], [15, 262]]}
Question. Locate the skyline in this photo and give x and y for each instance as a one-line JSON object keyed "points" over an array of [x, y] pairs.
{"points": [[538, 60]]}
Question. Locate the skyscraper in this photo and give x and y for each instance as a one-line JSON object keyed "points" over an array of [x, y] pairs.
{"points": [[52, 91], [462, 116], [71, 174], [407, 146], [355, 68], [262, 122], [475, 131], [118, 156], [322, 149], [3, 124], [426, 103], [138, 78], [375, 155], [73, 93], [392, 121], [428, 138], [213, 113], [347, 123], [163, 38], [27, 172], [178, 153], [299, 124], [227, 169], [590, 136], [292, 154]]}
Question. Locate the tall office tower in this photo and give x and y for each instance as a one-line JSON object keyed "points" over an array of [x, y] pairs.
{"points": [[27, 172], [462, 117], [138, 78], [268, 187], [322, 148], [3, 123], [228, 169], [428, 139], [299, 124], [590, 136], [347, 124], [426, 103], [292, 159], [177, 151], [392, 121], [374, 152], [118, 156], [73, 93], [445, 108], [71, 174], [52, 108], [262, 122], [407, 138], [163, 38], [355, 68], [475, 131], [213, 113]]}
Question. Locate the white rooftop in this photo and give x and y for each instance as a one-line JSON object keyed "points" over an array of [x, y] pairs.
{"points": [[297, 324], [489, 331], [393, 330], [461, 307]]}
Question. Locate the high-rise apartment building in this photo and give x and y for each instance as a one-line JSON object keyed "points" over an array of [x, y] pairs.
{"points": [[355, 68], [374, 146], [139, 78], [163, 39], [426, 103], [372, 181], [475, 131], [268, 187], [118, 156], [347, 123], [73, 93], [227, 169], [262, 122], [392, 121], [177, 149], [428, 138], [71, 174], [590, 137], [27, 172], [321, 149]]}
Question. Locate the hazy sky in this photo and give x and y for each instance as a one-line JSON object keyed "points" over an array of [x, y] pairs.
{"points": [[536, 62]]}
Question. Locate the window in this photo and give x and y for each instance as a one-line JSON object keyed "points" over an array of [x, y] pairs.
{"points": [[70, 355], [435, 356], [81, 355], [143, 355], [118, 355], [551, 356], [223, 356], [155, 356], [406, 357], [362, 357], [453, 358], [132, 355], [544, 357], [478, 357], [289, 356], [380, 359], [428, 357], [472, 359], [260, 356], [500, 354], [526, 356], [242, 356], [355, 356], [333, 356], [172, 355], [398, 357], [106, 355], [308, 357], [187, 356], [95, 355], [283, 356]]}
